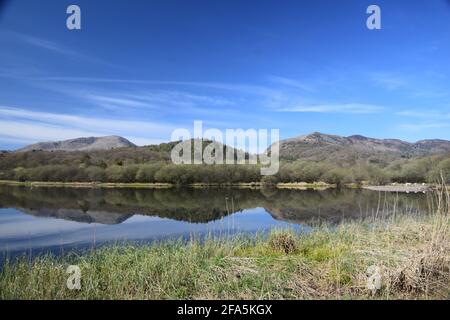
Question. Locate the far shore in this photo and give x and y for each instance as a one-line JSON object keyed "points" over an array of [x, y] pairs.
{"points": [[395, 187]]}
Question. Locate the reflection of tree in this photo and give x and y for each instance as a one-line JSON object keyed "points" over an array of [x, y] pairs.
{"points": [[180, 204], [335, 205], [111, 206]]}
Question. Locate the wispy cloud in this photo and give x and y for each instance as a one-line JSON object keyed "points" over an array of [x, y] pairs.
{"points": [[424, 121], [388, 81], [30, 132], [281, 100], [45, 44], [111, 94], [163, 101], [291, 83], [349, 108], [182, 99], [419, 127], [113, 102], [431, 93], [52, 47], [32, 126], [429, 114], [222, 86]]}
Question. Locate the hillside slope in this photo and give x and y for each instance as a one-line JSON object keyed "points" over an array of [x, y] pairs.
{"points": [[324, 147], [81, 144]]}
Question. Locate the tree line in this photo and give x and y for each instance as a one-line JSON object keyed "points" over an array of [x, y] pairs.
{"points": [[427, 169]]}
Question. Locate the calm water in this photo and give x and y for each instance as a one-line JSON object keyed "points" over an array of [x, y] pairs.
{"points": [[63, 219]]}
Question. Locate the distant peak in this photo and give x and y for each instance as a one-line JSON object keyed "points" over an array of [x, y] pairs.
{"points": [[358, 137], [318, 146], [81, 144]]}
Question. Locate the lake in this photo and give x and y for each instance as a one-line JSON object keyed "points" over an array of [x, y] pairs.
{"points": [[36, 220]]}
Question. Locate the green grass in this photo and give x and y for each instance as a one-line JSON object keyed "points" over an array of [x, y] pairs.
{"points": [[413, 254]]}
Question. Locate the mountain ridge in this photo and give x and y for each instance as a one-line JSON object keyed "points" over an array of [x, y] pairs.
{"points": [[319, 146], [315, 147], [80, 144]]}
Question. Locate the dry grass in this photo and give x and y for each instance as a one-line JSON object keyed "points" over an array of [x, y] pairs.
{"points": [[283, 242]]}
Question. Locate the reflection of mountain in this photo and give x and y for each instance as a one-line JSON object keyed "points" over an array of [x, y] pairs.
{"points": [[90, 216], [113, 206], [198, 206]]}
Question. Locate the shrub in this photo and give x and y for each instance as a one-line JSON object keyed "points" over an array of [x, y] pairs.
{"points": [[20, 174], [269, 181], [95, 174], [441, 170], [335, 176], [283, 242], [378, 176], [118, 173], [146, 173]]}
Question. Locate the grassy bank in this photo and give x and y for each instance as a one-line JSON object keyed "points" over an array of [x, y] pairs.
{"points": [[411, 255]]}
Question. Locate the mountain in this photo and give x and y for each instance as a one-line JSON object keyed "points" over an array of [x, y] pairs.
{"points": [[81, 144], [312, 147], [324, 147]]}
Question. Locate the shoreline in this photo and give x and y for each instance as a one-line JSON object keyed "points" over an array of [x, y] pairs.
{"points": [[408, 188], [138, 185], [404, 187]]}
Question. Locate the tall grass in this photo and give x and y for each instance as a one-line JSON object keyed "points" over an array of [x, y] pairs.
{"points": [[410, 253]]}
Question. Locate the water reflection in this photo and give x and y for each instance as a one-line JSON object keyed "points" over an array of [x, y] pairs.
{"points": [[114, 206], [63, 217]]}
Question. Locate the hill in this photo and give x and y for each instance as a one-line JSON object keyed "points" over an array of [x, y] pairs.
{"points": [[333, 148], [311, 158], [81, 144]]}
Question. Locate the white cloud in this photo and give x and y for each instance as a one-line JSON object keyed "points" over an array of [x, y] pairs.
{"points": [[417, 127], [51, 47], [388, 81], [110, 101], [161, 101], [33, 126], [291, 83], [179, 98], [233, 87], [33, 132], [427, 120], [164, 101], [349, 108], [430, 114]]}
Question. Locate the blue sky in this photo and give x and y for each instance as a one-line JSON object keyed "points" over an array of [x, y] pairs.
{"points": [[140, 69]]}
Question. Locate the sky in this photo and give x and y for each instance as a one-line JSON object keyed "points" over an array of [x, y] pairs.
{"points": [[141, 69]]}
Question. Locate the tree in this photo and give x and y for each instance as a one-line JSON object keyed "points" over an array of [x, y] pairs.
{"points": [[95, 174], [335, 176], [269, 181], [146, 173]]}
